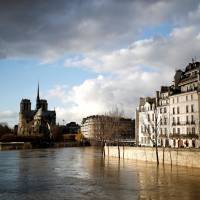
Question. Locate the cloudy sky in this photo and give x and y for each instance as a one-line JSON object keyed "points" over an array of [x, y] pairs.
{"points": [[92, 55]]}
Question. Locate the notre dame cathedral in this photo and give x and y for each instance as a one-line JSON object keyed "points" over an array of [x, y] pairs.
{"points": [[36, 122]]}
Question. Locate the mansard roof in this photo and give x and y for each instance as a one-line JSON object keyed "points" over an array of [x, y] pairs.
{"points": [[164, 89], [192, 66]]}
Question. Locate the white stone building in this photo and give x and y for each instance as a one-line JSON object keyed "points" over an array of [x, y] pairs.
{"points": [[163, 109], [101, 127], [147, 115], [178, 109]]}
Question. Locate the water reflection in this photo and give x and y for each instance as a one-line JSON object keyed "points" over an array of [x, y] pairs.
{"points": [[81, 173]]}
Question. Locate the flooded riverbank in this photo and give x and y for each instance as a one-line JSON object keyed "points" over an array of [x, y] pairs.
{"points": [[81, 173]]}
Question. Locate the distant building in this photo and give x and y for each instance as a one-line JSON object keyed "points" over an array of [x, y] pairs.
{"points": [[97, 126], [72, 128], [36, 122], [178, 110]]}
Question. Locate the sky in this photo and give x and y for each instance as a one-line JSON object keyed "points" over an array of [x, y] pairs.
{"points": [[90, 56]]}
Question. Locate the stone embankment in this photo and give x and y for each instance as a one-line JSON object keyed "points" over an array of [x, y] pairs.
{"points": [[181, 157], [14, 145]]}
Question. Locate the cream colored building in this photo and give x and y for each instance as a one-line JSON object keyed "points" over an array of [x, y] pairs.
{"points": [[163, 110], [98, 127], [178, 110], [146, 128]]}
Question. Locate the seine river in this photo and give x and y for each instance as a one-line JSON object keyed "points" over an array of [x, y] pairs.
{"points": [[81, 173]]}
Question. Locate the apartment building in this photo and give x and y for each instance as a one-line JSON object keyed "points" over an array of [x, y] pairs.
{"points": [[178, 111], [98, 127], [147, 120]]}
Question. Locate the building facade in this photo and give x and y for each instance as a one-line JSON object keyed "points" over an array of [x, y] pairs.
{"points": [[36, 122], [177, 108], [72, 128], [101, 127]]}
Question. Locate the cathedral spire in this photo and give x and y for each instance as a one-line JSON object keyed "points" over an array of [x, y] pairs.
{"points": [[38, 97], [38, 92]]}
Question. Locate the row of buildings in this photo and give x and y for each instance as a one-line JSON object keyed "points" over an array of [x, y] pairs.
{"points": [[172, 116], [41, 122]]}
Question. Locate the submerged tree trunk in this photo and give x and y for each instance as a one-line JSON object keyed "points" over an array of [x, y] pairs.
{"points": [[103, 149], [123, 151], [170, 154], [163, 155], [156, 139], [118, 150], [157, 157]]}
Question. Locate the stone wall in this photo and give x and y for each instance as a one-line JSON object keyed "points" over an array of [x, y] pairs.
{"points": [[14, 145], [182, 157]]}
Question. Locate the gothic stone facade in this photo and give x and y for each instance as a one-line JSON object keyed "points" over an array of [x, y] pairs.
{"points": [[36, 122]]}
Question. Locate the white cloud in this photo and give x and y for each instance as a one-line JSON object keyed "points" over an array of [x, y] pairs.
{"points": [[135, 71], [92, 30], [157, 53], [101, 94]]}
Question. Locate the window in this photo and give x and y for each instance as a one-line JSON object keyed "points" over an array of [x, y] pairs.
{"points": [[161, 131], [165, 130], [178, 130], [165, 109], [187, 120], [174, 130], [160, 121], [191, 97], [192, 108], [192, 119], [178, 120], [178, 110], [148, 116], [165, 121], [186, 98], [187, 110], [173, 110], [160, 110], [193, 130], [152, 117], [188, 130], [173, 123]]}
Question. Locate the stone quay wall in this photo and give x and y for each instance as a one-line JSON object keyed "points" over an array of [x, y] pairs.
{"points": [[172, 156], [14, 145]]}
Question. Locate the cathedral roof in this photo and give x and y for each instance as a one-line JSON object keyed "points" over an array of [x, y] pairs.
{"points": [[39, 112]]}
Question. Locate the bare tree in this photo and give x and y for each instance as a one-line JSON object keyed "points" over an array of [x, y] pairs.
{"points": [[116, 127], [153, 125], [109, 128]]}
